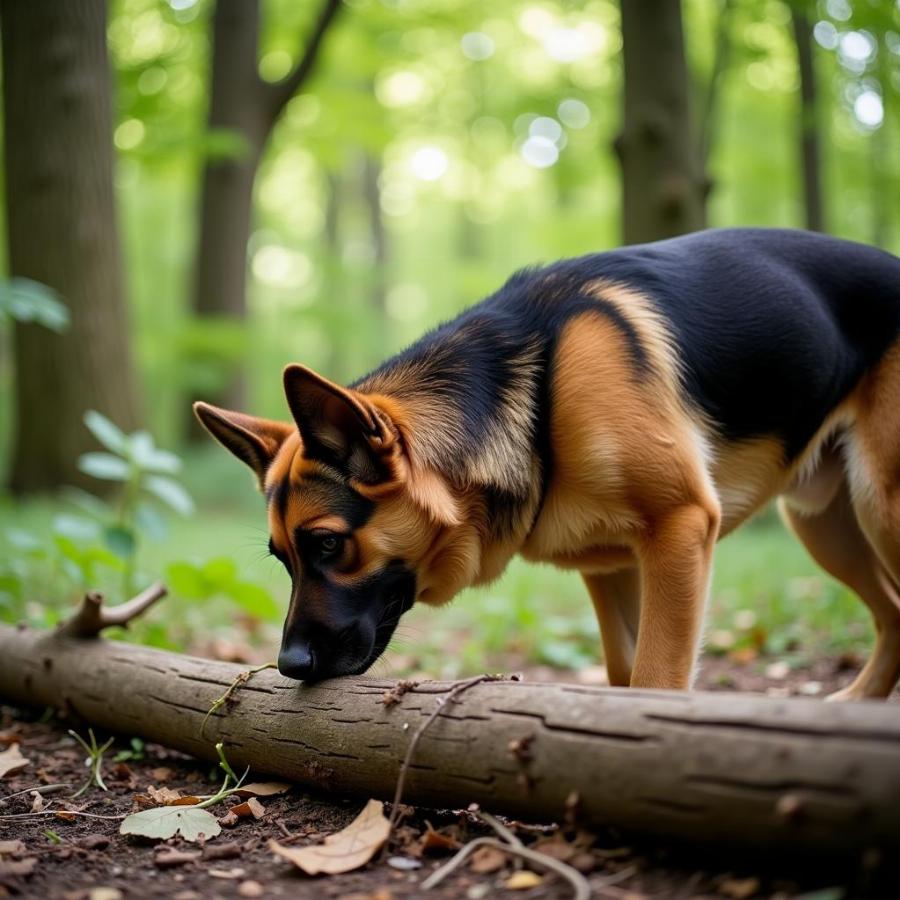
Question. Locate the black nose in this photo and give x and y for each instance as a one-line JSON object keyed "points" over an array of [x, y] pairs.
{"points": [[297, 661]]}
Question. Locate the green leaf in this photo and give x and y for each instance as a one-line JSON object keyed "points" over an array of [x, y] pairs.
{"points": [[150, 458], [163, 822], [88, 503], [255, 599], [170, 492], [186, 580], [107, 433], [22, 540], [220, 572], [120, 540], [104, 466], [150, 521], [76, 527], [26, 300]]}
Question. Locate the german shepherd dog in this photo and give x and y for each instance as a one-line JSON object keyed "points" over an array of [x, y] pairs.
{"points": [[615, 414]]}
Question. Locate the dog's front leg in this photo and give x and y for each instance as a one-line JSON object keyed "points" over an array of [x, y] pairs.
{"points": [[675, 557]]}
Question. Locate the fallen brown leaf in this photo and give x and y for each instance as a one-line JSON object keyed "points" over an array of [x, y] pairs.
{"points": [[250, 808], [487, 860], [555, 847], [229, 820], [522, 881], [161, 773], [435, 840], [65, 815], [263, 789], [37, 802], [163, 796], [344, 851], [12, 761]]}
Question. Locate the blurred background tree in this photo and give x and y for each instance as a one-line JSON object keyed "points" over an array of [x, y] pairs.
{"points": [[322, 182]]}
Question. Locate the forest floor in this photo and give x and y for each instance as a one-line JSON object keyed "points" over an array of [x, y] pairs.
{"points": [[53, 855]]}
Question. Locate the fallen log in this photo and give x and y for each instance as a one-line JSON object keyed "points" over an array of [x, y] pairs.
{"points": [[741, 769]]}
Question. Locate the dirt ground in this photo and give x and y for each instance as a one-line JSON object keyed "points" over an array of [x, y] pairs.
{"points": [[84, 858]]}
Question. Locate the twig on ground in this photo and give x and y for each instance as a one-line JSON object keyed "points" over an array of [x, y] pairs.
{"points": [[449, 697], [40, 789], [219, 702], [581, 889], [92, 616], [61, 813]]}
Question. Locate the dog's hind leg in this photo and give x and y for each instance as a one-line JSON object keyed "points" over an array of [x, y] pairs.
{"points": [[617, 602], [836, 542], [873, 452]]}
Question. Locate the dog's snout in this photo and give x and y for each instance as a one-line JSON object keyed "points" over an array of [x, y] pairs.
{"points": [[297, 660]]}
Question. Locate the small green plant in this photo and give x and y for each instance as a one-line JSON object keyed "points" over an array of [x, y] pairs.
{"points": [[134, 754], [219, 577], [144, 473], [94, 761], [191, 822]]}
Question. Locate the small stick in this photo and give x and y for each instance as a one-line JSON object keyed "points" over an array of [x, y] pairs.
{"points": [[451, 695], [580, 887], [240, 678], [40, 789]]}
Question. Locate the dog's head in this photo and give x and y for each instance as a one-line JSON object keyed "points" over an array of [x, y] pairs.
{"points": [[361, 527]]}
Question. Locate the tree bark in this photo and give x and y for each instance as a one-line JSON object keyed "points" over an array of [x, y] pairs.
{"points": [[62, 231], [779, 774], [663, 186], [810, 148], [242, 103]]}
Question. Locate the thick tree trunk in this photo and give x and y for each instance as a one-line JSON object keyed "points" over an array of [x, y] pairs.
{"points": [[810, 148], [786, 774], [241, 103], [62, 231], [663, 187], [236, 106]]}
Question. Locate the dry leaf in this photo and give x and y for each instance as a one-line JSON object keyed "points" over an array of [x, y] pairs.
{"points": [[229, 820], [65, 815], [263, 789], [37, 802], [161, 773], [557, 848], [250, 808], [522, 881], [163, 796], [486, 860], [435, 840], [163, 822], [250, 889], [12, 761], [344, 851]]}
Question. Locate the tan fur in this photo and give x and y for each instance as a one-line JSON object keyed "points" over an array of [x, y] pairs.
{"points": [[641, 489]]}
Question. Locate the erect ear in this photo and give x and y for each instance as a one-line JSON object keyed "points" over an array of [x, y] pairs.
{"points": [[253, 441], [342, 427]]}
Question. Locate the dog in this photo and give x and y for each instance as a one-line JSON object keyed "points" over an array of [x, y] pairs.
{"points": [[616, 414]]}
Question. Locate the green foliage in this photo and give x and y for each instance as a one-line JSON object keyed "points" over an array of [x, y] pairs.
{"points": [[218, 578], [24, 300], [94, 761]]}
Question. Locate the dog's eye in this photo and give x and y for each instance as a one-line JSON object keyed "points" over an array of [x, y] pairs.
{"points": [[329, 546]]}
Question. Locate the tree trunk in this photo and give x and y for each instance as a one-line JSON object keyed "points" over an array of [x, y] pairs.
{"points": [[62, 231], [243, 104], [781, 774], [810, 152], [236, 106], [663, 186]]}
